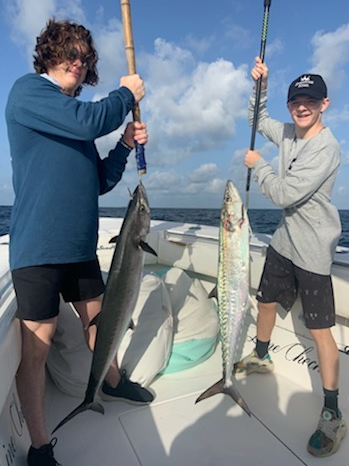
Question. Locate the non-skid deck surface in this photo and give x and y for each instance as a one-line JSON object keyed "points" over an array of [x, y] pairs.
{"points": [[174, 431], [188, 434]]}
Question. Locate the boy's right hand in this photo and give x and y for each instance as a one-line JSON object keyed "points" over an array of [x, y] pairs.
{"points": [[260, 70], [135, 84]]}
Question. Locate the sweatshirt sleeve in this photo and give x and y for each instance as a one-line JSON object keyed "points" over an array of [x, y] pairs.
{"points": [[111, 168], [266, 126], [310, 170], [40, 105]]}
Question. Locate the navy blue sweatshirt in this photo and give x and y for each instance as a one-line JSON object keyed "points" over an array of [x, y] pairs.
{"points": [[57, 171]]}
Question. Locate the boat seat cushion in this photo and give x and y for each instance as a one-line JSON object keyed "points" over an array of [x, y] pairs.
{"points": [[144, 351], [195, 321]]}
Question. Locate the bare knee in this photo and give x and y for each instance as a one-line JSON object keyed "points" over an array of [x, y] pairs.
{"points": [[36, 340], [267, 308], [322, 337]]}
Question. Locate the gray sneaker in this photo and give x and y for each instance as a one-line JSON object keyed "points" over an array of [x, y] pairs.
{"points": [[328, 436], [252, 363]]}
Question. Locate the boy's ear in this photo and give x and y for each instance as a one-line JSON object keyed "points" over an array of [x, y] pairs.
{"points": [[325, 104]]}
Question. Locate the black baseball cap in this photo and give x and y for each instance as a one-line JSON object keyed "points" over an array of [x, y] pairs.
{"points": [[311, 85]]}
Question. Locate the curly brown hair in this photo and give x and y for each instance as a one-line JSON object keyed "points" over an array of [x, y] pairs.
{"points": [[57, 43]]}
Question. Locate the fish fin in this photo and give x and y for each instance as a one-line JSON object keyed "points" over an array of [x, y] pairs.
{"points": [[94, 406], [213, 390], [221, 387], [145, 246], [95, 320], [114, 239], [131, 325], [213, 293], [233, 393]]}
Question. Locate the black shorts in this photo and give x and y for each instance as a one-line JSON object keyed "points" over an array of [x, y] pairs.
{"points": [[38, 288], [281, 282]]}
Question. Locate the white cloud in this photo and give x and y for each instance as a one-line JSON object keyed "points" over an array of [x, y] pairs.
{"points": [[336, 116], [274, 47], [214, 186], [203, 173], [28, 18], [343, 191], [189, 107], [200, 46], [331, 54], [200, 181], [109, 42], [164, 182], [345, 158], [241, 37]]}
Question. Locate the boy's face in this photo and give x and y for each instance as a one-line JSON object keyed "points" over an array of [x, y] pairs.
{"points": [[306, 111], [71, 72]]}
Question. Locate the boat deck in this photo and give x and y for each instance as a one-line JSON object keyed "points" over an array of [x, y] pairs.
{"points": [[174, 430]]}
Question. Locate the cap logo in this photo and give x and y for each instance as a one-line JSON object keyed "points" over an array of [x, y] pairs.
{"points": [[305, 81]]}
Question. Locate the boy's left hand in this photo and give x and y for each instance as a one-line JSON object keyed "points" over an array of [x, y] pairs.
{"points": [[251, 158], [135, 131]]}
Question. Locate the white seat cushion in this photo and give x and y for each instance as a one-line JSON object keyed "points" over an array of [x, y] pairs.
{"points": [[144, 351]]}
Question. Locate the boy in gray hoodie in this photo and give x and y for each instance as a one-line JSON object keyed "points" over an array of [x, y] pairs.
{"points": [[300, 254]]}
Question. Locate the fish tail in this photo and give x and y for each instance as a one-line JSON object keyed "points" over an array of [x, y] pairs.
{"points": [[233, 393], [218, 387], [94, 406], [221, 387]]}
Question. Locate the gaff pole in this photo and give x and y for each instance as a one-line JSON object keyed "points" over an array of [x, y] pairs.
{"points": [[131, 67], [267, 4]]}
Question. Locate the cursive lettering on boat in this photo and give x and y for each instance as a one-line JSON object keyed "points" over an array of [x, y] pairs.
{"points": [[16, 416], [296, 353], [103, 248], [10, 452], [9, 448]]}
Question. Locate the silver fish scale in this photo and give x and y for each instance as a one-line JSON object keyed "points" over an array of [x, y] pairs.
{"points": [[232, 289]]}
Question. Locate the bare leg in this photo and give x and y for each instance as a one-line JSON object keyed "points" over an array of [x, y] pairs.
{"points": [[36, 340], [87, 311], [328, 357], [265, 320]]}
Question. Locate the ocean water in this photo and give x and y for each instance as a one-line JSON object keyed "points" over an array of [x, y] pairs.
{"points": [[262, 220]]}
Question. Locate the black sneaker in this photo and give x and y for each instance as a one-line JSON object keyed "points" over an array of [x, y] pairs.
{"points": [[128, 391], [42, 456]]}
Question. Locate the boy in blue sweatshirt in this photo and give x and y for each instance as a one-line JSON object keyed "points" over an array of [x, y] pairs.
{"points": [[58, 176]]}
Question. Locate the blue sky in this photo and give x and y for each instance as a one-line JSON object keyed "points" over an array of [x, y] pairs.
{"points": [[195, 58]]}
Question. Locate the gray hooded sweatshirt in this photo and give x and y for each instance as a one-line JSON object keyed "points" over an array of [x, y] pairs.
{"points": [[310, 228]]}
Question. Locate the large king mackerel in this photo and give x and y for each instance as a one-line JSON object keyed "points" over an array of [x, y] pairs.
{"points": [[120, 296], [232, 288]]}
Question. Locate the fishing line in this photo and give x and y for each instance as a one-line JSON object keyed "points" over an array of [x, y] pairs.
{"points": [[131, 66], [267, 4]]}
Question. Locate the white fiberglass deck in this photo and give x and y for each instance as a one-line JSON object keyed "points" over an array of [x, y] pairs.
{"points": [[175, 431]]}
